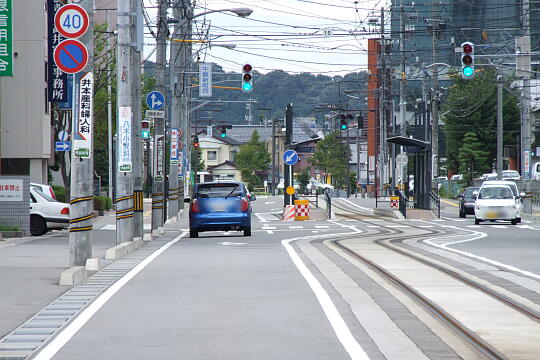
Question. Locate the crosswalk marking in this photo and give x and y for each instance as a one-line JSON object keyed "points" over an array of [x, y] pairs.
{"points": [[296, 227], [321, 226]]}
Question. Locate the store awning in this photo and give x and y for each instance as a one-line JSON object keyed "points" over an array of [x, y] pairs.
{"points": [[405, 141]]}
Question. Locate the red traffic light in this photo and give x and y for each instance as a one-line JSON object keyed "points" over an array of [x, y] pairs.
{"points": [[247, 68], [467, 48], [145, 124]]}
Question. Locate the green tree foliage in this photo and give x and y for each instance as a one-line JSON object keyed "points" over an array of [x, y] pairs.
{"points": [[471, 107], [332, 156], [303, 179], [472, 157], [253, 159], [197, 163]]}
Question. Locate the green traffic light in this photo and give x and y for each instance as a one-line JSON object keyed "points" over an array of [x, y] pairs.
{"points": [[145, 134], [468, 71], [223, 135], [247, 87]]}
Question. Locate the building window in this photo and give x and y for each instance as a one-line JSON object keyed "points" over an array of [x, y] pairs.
{"points": [[211, 155], [233, 155]]}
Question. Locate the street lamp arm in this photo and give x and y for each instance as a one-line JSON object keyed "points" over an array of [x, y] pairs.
{"points": [[242, 12]]}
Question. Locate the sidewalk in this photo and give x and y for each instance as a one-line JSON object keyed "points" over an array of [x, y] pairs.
{"points": [[30, 268]]}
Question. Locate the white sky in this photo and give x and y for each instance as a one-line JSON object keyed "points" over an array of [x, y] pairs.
{"points": [[302, 46]]}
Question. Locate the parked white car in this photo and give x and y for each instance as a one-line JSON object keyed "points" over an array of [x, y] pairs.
{"points": [[46, 213], [314, 184], [496, 202], [47, 189]]}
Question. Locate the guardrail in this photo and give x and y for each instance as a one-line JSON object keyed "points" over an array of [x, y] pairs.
{"points": [[310, 197]]}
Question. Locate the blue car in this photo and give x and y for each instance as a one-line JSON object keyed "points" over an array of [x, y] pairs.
{"points": [[219, 206]]}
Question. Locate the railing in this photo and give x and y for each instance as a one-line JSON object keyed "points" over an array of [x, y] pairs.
{"points": [[382, 196], [436, 202], [310, 197], [335, 193]]}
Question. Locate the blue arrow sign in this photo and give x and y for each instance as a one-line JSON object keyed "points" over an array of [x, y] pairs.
{"points": [[290, 157], [155, 100], [62, 146]]}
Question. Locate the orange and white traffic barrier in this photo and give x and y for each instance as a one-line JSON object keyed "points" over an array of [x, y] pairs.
{"points": [[302, 210], [289, 213], [394, 201]]}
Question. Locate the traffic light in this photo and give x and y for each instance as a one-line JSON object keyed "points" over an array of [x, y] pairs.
{"points": [[145, 129], [467, 60], [360, 121], [223, 130], [196, 142], [247, 78], [343, 122]]}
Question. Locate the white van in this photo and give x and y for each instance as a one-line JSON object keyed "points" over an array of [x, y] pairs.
{"points": [[535, 172]]}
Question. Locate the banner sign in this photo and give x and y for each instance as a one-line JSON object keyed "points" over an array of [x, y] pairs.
{"points": [[205, 80], [159, 152], [83, 128], [6, 38], [124, 143], [174, 145], [57, 80]]}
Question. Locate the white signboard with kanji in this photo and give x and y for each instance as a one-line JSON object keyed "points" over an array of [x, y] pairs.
{"points": [[82, 143], [205, 80], [11, 190], [174, 146], [124, 140]]}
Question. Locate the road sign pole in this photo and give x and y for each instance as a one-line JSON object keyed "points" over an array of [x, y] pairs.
{"points": [[82, 167], [124, 173]]}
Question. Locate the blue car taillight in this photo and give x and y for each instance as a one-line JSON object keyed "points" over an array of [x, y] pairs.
{"points": [[195, 206], [244, 205]]}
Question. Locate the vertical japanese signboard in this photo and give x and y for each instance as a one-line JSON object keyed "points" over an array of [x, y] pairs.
{"points": [[159, 151], [83, 124], [57, 80], [205, 80], [124, 143], [6, 38], [174, 146]]}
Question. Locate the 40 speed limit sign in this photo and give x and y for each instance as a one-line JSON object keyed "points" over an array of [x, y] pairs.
{"points": [[71, 21]]}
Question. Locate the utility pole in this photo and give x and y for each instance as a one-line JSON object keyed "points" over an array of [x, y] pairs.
{"points": [[185, 123], [382, 99], [124, 121], [358, 127], [158, 195], [82, 162], [176, 71], [525, 100], [499, 127], [402, 98], [109, 108], [274, 120], [435, 93], [288, 141], [138, 163]]}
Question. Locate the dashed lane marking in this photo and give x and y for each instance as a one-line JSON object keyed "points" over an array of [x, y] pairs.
{"points": [[270, 232], [296, 227], [322, 226]]}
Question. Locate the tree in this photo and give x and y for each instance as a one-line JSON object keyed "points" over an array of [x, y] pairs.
{"points": [[252, 158], [303, 179], [471, 107], [472, 158], [197, 163], [332, 156]]}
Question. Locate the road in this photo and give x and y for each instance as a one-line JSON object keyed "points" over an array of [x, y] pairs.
{"points": [[283, 293]]}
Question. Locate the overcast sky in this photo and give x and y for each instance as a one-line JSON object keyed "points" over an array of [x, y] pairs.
{"points": [[317, 36]]}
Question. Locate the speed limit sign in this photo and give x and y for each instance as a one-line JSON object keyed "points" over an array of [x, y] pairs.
{"points": [[71, 21]]}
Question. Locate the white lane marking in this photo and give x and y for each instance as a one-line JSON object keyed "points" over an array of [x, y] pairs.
{"points": [[314, 231], [322, 226], [113, 227], [439, 220], [425, 226], [476, 236], [230, 243], [269, 202], [350, 220], [270, 232], [526, 227], [266, 227], [473, 226], [65, 335], [261, 219], [341, 329], [373, 226], [296, 227], [397, 226]]}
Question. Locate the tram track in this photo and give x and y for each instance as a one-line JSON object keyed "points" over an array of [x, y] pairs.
{"points": [[387, 237]]}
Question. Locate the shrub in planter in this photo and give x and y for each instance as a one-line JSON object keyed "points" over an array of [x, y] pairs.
{"points": [[99, 203]]}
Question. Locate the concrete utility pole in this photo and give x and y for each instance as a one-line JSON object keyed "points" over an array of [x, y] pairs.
{"points": [[176, 71], [273, 179], [382, 99], [109, 108], [499, 127], [435, 95], [138, 163], [124, 124], [158, 195], [82, 165], [525, 100], [402, 98]]}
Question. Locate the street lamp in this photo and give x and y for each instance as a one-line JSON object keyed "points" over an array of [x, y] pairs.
{"points": [[242, 12]]}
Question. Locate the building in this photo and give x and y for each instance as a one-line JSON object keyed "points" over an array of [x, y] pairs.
{"points": [[218, 155], [25, 122]]}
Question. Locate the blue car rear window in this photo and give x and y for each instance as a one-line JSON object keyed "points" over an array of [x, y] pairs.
{"points": [[218, 191]]}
